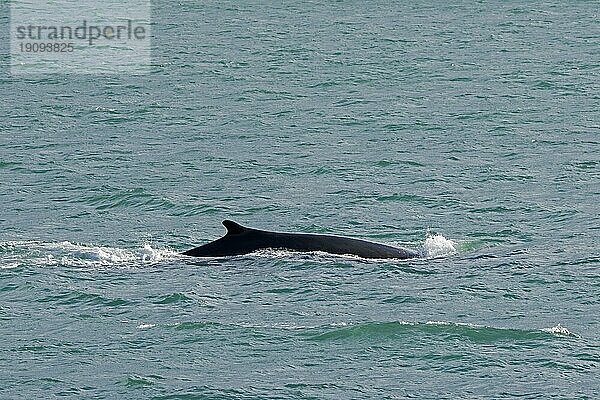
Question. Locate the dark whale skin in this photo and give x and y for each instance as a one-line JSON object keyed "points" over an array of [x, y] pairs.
{"points": [[240, 240]]}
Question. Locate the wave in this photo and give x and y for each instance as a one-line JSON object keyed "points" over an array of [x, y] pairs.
{"points": [[476, 333], [377, 330], [16, 254], [78, 297], [142, 199]]}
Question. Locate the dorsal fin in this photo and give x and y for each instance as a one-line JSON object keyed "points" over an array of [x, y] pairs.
{"points": [[233, 228]]}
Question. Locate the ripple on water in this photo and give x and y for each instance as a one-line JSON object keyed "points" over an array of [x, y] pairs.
{"points": [[173, 298], [77, 297]]}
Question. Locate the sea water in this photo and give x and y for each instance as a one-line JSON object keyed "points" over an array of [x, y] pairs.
{"points": [[469, 130]]}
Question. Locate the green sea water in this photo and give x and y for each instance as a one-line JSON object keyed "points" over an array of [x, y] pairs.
{"points": [[470, 130]]}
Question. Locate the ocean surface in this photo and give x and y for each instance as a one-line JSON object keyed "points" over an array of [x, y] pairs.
{"points": [[469, 130]]}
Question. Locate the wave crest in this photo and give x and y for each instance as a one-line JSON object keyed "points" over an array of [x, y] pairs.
{"points": [[438, 246], [473, 332]]}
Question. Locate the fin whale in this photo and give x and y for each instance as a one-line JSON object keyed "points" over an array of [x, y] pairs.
{"points": [[242, 240]]}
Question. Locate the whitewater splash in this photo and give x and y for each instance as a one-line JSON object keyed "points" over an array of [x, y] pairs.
{"points": [[438, 246], [559, 330], [15, 254]]}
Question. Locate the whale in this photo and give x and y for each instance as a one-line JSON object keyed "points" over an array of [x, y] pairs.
{"points": [[240, 240]]}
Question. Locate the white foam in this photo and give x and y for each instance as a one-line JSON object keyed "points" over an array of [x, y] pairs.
{"points": [[462, 324], [150, 254], [146, 326], [439, 323], [73, 254], [559, 330], [438, 246], [10, 265], [312, 255]]}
